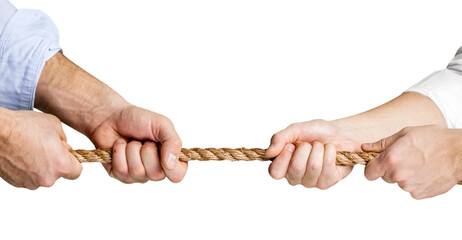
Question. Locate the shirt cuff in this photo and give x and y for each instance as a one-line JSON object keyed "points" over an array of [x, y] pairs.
{"points": [[28, 40], [444, 88]]}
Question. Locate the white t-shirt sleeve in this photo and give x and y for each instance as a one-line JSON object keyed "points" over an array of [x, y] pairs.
{"points": [[445, 89]]}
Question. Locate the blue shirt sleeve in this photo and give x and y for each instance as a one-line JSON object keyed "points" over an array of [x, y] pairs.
{"points": [[6, 11], [27, 41]]}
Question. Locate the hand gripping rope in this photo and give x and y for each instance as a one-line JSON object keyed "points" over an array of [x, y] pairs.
{"points": [[218, 154]]}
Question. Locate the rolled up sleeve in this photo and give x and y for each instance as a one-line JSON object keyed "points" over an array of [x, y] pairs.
{"points": [[6, 11], [27, 41], [444, 88]]}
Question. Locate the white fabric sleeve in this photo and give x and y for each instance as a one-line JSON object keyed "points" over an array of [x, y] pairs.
{"points": [[444, 87]]}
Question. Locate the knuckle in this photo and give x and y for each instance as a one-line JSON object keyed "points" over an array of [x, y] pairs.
{"points": [[406, 188], [308, 184], [303, 145], [165, 120], [417, 196], [120, 144], [125, 180], [137, 172], [149, 145], [275, 173], [122, 177], [161, 121], [113, 174], [391, 160], [323, 185], [317, 122], [156, 176], [120, 170], [369, 173], [61, 167], [54, 120], [329, 146], [318, 145], [275, 138], [31, 186], [291, 181], [397, 177], [136, 144], [296, 169], [369, 177], [294, 125], [314, 166], [46, 181], [52, 117]]}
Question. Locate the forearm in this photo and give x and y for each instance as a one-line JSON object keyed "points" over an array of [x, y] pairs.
{"points": [[409, 109], [6, 125], [74, 96]]}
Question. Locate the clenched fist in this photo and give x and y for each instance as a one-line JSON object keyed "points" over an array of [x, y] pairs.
{"points": [[306, 153], [425, 161], [33, 150]]}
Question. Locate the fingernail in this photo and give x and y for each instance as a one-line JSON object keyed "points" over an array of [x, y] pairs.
{"points": [[171, 161], [367, 145], [120, 140], [291, 148]]}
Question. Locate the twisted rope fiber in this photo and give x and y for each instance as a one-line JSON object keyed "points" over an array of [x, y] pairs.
{"points": [[233, 154], [344, 158]]}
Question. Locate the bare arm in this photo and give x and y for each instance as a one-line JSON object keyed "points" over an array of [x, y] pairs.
{"points": [[305, 152], [75, 96], [409, 109], [145, 144]]}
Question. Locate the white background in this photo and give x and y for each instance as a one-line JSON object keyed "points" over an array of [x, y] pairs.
{"points": [[230, 74]]}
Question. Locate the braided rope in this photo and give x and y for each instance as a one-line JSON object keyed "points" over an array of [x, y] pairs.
{"points": [[238, 154], [344, 158]]}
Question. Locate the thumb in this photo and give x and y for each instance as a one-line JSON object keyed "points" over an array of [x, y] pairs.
{"points": [[170, 144], [281, 139], [380, 145], [75, 168]]}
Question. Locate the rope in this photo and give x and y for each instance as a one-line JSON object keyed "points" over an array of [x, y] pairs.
{"points": [[218, 154], [238, 154]]}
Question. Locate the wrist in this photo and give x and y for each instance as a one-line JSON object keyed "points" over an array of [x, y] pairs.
{"points": [[76, 97], [6, 123], [458, 153], [99, 115], [351, 129]]}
